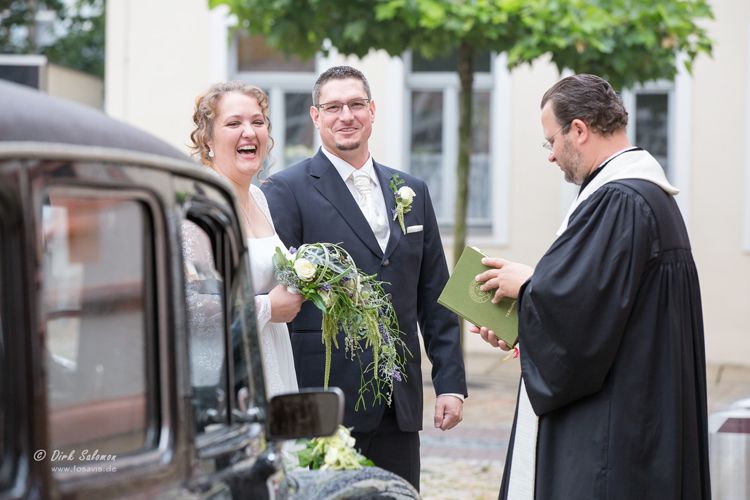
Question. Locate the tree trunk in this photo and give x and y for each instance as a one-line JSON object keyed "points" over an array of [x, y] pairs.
{"points": [[463, 164]]}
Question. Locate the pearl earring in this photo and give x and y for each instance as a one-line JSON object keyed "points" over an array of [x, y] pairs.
{"points": [[210, 154]]}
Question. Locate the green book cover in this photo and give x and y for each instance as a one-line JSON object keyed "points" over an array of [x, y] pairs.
{"points": [[463, 296]]}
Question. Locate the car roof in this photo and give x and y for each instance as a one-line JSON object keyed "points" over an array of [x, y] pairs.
{"points": [[31, 116]]}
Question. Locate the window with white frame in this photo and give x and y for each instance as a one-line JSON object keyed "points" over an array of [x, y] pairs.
{"points": [[432, 149], [288, 82], [650, 124]]}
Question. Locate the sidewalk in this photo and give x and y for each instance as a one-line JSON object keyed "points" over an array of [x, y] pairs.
{"points": [[466, 463]]}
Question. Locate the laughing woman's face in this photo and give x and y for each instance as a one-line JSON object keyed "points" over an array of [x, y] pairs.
{"points": [[240, 137]]}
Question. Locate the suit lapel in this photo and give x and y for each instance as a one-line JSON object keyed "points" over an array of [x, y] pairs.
{"points": [[384, 177], [333, 188]]}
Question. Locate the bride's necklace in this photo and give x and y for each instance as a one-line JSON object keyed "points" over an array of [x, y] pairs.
{"points": [[246, 215], [260, 229]]}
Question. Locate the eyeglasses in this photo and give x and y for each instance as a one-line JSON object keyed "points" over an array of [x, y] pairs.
{"points": [[547, 144], [334, 108]]}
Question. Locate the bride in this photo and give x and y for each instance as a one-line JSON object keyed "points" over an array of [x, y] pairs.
{"points": [[232, 137]]}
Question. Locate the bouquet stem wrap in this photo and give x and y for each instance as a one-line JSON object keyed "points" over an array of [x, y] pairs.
{"points": [[355, 304]]}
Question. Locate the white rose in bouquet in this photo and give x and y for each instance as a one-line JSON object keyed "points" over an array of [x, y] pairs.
{"points": [[304, 269]]}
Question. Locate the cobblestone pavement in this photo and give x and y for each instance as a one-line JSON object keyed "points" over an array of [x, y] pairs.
{"points": [[466, 462]]}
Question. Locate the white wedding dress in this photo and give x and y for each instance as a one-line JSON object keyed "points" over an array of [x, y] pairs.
{"points": [[276, 346], [205, 311]]}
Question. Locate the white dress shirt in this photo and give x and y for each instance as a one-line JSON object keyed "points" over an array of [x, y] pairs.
{"points": [[381, 226]]}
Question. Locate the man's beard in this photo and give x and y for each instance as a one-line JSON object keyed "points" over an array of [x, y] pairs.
{"points": [[570, 176], [571, 163], [347, 147]]}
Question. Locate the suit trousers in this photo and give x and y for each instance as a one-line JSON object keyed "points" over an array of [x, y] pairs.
{"points": [[392, 449]]}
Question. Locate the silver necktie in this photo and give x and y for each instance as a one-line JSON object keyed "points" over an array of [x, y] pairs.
{"points": [[363, 184]]}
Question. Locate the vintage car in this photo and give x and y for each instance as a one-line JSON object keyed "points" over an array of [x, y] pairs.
{"points": [[129, 369]]}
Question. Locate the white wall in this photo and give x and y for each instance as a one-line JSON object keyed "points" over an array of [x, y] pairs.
{"points": [[74, 85], [159, 57], [719, 141]]}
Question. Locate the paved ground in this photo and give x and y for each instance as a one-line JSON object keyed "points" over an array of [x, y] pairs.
{"points": [[466, 462]]}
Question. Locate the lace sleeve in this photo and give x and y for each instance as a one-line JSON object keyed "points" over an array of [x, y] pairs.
{"points": [[262, 310], [203, 298], [262, 302], [196, 251]]}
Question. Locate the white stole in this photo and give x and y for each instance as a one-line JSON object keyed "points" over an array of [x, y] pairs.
{"points": [[636, 164], [523, 461]]}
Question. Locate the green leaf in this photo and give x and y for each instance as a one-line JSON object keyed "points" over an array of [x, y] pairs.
{"points": [[279, 259], [318, 301]]}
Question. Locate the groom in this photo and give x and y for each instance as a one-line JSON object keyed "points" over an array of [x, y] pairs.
{"points": [[341, 195]]}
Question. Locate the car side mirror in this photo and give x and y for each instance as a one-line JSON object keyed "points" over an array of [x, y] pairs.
{"points": [[305, 414]]}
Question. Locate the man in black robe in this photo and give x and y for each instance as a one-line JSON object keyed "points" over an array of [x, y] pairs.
{"points": [[612, 403]]}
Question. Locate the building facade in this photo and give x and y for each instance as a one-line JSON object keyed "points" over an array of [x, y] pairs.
{"points": [[697, 125]]}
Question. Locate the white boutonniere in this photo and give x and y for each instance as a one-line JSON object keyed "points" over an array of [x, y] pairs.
{"points": [[404, 197]]}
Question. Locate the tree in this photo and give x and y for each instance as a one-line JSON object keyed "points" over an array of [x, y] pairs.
{"points": [[76, 37], [624, 41], [81, 46], [18, 22]]}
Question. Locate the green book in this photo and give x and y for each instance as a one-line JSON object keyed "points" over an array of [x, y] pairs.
{"points": [[463, 296]]}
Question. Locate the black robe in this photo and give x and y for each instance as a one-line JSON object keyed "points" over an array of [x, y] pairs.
{"points": [[612, 354]]}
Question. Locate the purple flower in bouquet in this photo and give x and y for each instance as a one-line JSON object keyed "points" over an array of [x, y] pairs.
{"points": [[383, 332]]}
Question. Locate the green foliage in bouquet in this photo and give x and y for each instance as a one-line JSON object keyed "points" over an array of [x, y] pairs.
{"points": [[351, 302], [334, 452]]}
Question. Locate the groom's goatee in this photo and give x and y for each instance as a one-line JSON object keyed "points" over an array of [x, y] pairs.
{"points": [[347, 147]]}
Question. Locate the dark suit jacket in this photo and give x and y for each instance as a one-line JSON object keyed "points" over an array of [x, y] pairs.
{"points": [[310, 203]]}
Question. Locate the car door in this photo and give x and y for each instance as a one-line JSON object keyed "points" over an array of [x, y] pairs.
{"points": [[112, 406], [226, 380], [107, 417], [18, 474]]}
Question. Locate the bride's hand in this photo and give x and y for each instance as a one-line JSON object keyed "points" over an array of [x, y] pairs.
{"points": [[284, 305]]}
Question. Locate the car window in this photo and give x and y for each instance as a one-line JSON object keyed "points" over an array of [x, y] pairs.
{"points": [[221, 363], [98, 289], [204, 298]]}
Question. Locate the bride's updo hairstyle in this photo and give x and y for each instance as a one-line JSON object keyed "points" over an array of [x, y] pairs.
{"points": [[204, 115]]}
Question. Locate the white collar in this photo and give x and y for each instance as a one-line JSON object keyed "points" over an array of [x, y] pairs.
{"points": [[638, 164], [345, 169], [618, 153]]}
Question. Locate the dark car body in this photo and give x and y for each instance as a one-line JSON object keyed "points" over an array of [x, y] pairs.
{"points": [[109, 386]]}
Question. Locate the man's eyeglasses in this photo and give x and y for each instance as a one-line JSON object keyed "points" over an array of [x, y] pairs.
{"points": [[547, 144], [334, 108]]}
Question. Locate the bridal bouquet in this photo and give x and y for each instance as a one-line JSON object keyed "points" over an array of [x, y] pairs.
{"points": [[353, 303], [335, 452]]}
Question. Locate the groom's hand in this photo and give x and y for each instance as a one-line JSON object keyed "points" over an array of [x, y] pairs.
{"points": [[449, 411]]}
